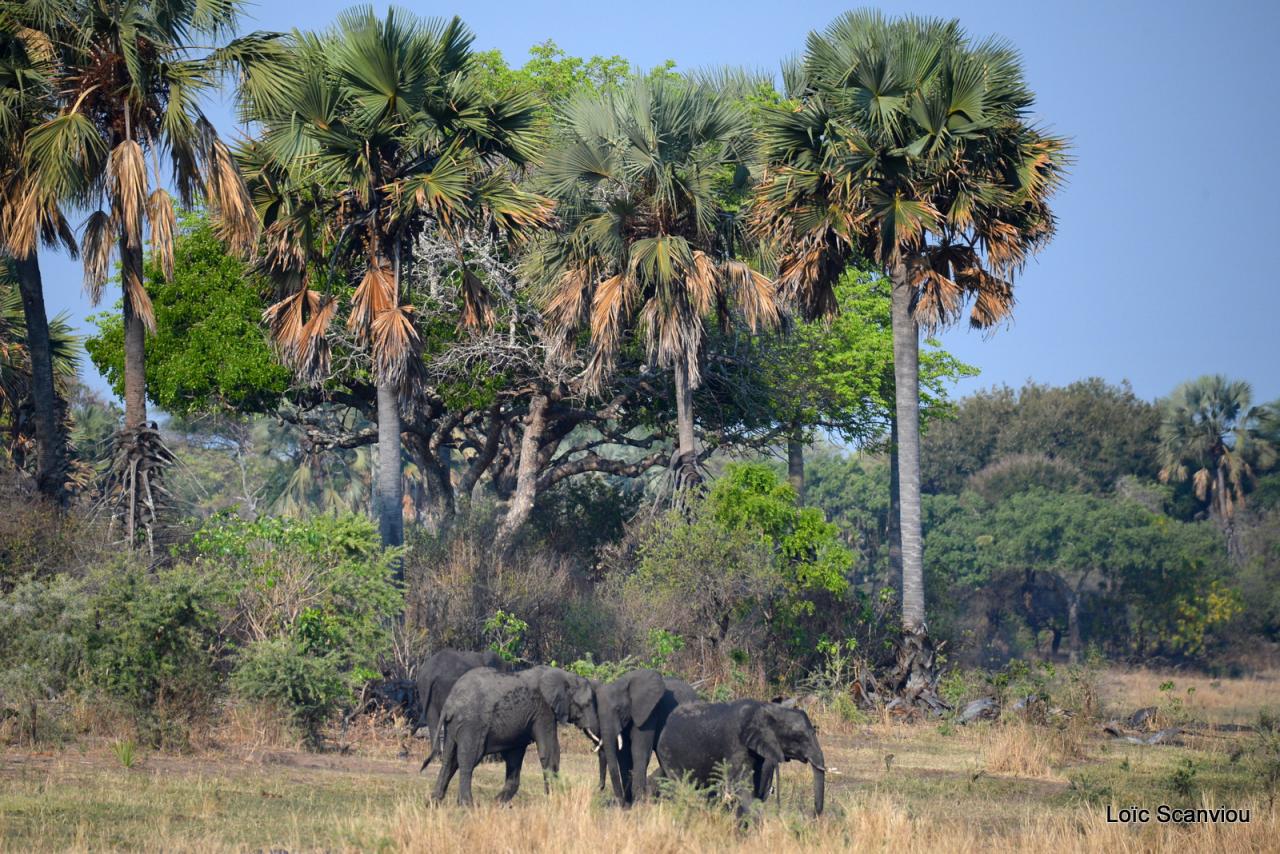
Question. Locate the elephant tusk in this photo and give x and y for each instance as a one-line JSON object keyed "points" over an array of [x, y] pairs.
{"points": [[619, 741], [595, 738], [599, 744], [818, 767]]}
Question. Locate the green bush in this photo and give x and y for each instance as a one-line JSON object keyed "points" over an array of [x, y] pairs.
{"points": [[155, 643], [282, 671], [43, 627]]}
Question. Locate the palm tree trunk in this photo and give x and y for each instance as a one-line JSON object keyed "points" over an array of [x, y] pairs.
{"points": [[795, 463], [135, 339], [51, 441], [686, 462], [895, 513], [390, 485], [906, 358]]}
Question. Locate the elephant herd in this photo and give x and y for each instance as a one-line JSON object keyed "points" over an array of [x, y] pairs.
{"points": [[474, 705]]}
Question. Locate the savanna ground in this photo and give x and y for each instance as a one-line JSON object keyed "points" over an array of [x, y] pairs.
{"points": [[923, 786]]}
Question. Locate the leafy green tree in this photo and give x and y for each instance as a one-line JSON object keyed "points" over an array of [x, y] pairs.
{"points": [[647, 245], [836, 375], [549, 74], [912, 148], [209, 352], [378, 133]]}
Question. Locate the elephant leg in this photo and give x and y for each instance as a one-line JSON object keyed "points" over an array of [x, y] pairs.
{"points": [[641, 750], [514, 759], [762, 779], [447, 770], [604, 768], [549, 756]]}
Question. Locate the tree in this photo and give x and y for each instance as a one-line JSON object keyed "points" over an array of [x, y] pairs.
{"points": [[647, 246], [208, 353], [29, 216], [836, 375], [378, 133], [911, 148], [129, 79], [1210, 433], [1104, 431], [19, 418]]}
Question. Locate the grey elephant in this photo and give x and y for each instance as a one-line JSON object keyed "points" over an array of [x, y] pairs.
{"points": [[752, 737], [490, 713], [633, 710], [436, 676]]}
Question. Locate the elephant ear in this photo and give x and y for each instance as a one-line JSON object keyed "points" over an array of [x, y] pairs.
{"points": [[644, 689], [554, 688], [759, 737]]}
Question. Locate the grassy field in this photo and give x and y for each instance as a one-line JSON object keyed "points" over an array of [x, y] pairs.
{"points": [[895, 786]]}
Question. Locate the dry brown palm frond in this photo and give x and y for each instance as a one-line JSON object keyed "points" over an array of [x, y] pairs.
{"points": [[477, 302], [229, 197], [164, 222], [395, 343], [608, 307], [127, 187], [702, 282], [937, 300], [1201, 482], [754, 293], [96, 244], [673, 334], [993, 299], [299, 324], [375, 294], [568, 299]]}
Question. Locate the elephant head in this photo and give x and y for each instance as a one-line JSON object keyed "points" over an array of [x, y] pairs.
{"points": [[776, 734], [628, 701], [571, 698]]}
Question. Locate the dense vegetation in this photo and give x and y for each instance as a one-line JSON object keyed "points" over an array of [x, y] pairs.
{"points": [[626, 365]]}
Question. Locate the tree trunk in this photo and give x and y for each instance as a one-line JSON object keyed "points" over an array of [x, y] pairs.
{"points": [[51, 441], [521, 505], [895, 513], [390, 482], [686, 461], [795, 464], [135, 339], [1074, 645], [906, 354]]}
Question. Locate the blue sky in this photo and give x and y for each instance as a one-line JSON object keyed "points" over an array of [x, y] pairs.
{"points": [[1160, 270]]}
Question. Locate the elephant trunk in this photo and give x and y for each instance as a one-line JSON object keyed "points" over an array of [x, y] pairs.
{"points": [[819, 779]]}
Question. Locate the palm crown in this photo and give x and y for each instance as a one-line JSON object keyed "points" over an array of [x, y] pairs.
{"points": [[910, 145]]}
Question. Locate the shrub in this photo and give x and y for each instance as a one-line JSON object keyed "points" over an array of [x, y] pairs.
{"points": [[43, 626], [283, 672], [154, 644]]}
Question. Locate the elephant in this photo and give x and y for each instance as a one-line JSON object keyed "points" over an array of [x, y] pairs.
{"points": [[754, 738], [491, 713], [436, 676], [633, 710]]}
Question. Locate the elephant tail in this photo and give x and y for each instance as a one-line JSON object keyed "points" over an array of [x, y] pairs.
{"points": [[437, 743]]}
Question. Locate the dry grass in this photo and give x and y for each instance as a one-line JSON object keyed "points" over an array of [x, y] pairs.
{"points": [[1009, 786], [1205, 698]]}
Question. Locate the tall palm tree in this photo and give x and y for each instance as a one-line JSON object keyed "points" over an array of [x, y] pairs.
{"points": [[378, 132], [1211, 433], [129, 76], [17, 375], [29, 215], [647, 242], [910, 147]]}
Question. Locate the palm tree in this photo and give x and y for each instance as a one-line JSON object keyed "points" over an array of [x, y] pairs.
{"points": [[910, 147], [129, 79], [647, 241], [1211, 433], [17, 374], [377, 133], [28, 217]]}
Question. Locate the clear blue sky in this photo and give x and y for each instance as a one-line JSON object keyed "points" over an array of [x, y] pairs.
{"points": [[1161, 269]]}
